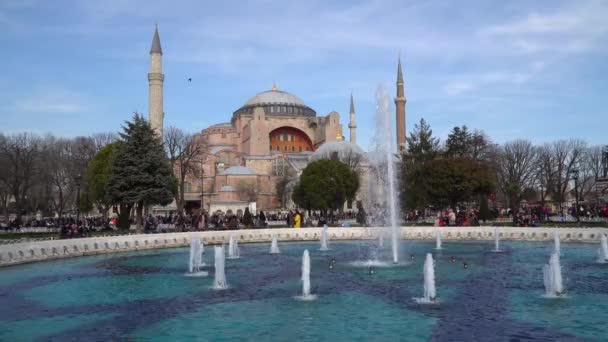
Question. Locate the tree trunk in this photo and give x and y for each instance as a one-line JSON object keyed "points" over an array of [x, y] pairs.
{"points": [[180, 195], [139, 212], [123, 215]]}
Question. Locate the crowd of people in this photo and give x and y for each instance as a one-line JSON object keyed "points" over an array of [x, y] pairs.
{"points": [[524, 217]]}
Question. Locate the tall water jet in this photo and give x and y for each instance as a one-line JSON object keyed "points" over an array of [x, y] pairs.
{"points": [[219, 283], [196, 258], [233, 248], [437, 239], [556, 243], [381, 239], [383, 160], [430, 292], [274, 246], [496, 240], [603, 252], [552, 277], [324, 243], [306, 277]]}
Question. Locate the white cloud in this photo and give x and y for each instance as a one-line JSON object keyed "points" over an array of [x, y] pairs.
{"points": [[577, 27], [51, 100], [458, 87], [494, 78]]}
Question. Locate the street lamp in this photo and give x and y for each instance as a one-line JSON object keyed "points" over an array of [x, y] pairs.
{"points": [[574, 173], [202, 187], [542, 203], [78, 178]]}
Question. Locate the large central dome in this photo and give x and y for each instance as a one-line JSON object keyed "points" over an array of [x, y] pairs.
{"points": [[274, 97], [276, 103]]}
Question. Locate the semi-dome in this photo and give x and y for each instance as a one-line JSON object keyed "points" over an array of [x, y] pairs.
{"points": [[276, 103], [238, 170], [344, 150]]}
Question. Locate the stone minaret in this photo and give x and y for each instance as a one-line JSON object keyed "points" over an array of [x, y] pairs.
{"points": [[400, 109], [155, 83], [352, 125]]}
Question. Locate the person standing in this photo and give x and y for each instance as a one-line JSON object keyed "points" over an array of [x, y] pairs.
{"points": [[290, 219], [297, 219]]}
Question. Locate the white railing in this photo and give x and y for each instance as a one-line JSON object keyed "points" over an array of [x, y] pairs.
{"points": [[32, 251]]}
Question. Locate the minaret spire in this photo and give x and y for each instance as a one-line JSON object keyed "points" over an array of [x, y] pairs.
{"points": [[156, 79], [400, 101], [352, 125]]}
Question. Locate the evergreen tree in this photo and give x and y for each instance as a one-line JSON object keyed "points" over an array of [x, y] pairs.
{"points": [[420, 143], [140, 174], [458, 142]]}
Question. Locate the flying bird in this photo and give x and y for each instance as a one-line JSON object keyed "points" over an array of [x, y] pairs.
{"points": [[189, 80]]}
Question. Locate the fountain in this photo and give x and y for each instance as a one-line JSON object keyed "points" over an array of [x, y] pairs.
{"points": [[556, 246], [306, 278], [385, 164], [196, 259], [430, 292], [381, 239], [233, 248], [438, 239], [219, 283], [324, 244], [274, 247], [603, 251], [496, 241], [552, 276]]}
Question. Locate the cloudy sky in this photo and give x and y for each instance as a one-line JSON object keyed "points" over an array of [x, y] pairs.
{"points": [[515, 69]]}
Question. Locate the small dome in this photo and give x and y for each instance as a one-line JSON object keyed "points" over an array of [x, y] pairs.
{"points": [[238, 170], [274, 96], [227, 188], [343, 148]]}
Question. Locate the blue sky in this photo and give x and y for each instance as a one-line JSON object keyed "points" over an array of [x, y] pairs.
{"points": [[515, 69]]}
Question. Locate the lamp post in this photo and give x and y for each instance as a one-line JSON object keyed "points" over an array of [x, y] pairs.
{"points": [[542, 203], [574, 173], [78, 178], [202, 187]]}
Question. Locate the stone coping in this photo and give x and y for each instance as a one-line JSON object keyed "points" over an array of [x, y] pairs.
{"points": [[34, 251]]}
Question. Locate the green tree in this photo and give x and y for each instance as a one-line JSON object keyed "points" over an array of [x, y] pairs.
{"points": [[422, 148], [421, 144], [140, 174], [326, 184], [457, 143], [97, 176], [450, 181]]}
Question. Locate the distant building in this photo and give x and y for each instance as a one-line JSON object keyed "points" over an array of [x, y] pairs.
{"points": [[272, 136]]}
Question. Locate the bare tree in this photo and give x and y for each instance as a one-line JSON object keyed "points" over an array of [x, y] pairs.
{"points": [[102, 139], [56, 159], [186, 152], [516, 169], [566, 155], [590, 169], [247, 191], [282, 185], [19, 154]]}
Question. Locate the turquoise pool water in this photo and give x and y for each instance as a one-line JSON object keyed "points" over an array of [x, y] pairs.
{"points": [[144, 296]]}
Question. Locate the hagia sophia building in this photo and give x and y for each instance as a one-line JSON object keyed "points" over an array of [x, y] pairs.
{"points": [[269, 139]]}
